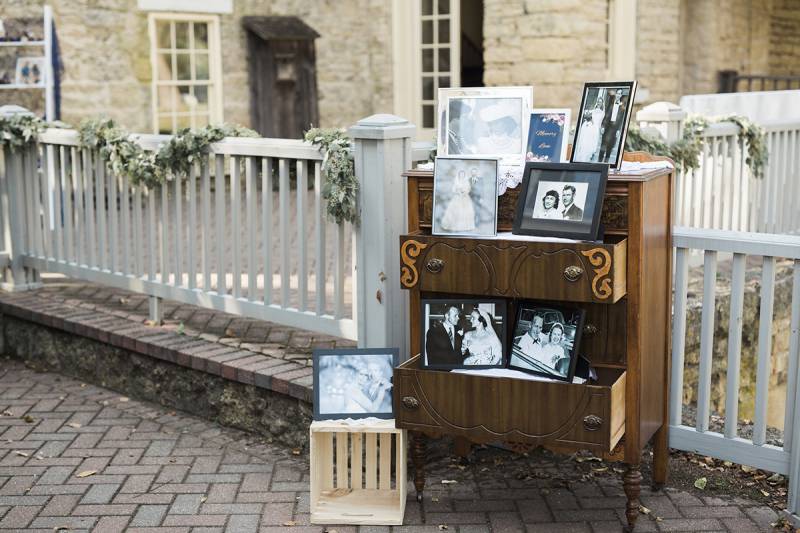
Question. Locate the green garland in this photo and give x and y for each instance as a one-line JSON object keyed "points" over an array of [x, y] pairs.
{"points": [[685, 152], [173, 159], [341, 186], [17, 131]]}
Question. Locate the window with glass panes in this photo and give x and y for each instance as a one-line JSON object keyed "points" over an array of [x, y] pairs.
{"points": [[186, 86], [440, 60]]}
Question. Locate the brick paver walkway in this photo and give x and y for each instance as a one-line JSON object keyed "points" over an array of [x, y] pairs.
{"points": [[78, 457]]}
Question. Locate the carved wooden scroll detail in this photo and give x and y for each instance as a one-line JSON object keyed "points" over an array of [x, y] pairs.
{"points": [[409, 276], [601, 261]]}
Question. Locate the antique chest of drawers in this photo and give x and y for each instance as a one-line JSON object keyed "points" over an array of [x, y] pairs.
{"points": [[624, 284]]}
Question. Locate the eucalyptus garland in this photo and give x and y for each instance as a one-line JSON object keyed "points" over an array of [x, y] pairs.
{"points": [[685, 152], [341, 186], [17, 131], [172, 160]]}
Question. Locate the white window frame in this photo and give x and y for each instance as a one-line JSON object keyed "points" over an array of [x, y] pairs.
{"points": [[214, 63], [407, 44]]}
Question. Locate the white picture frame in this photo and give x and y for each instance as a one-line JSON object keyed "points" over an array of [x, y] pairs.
{"points": [[534, 142], [29, 71], [486, 122]]}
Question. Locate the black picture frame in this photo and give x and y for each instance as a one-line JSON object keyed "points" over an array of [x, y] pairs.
{"points": [[607, 130], [453, 358], [556, 177], [325, 401], [552, 313]]}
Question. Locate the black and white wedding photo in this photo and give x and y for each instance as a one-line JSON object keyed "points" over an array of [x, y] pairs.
{"points": [[603, 122], [546, 340], [560, 201], [354, 383], [465, 196], [484, 126], [463, 333]]}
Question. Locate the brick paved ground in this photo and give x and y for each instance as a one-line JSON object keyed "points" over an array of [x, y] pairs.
{"points": [[161, 471]]}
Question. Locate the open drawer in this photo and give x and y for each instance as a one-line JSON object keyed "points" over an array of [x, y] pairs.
{"points": [[486, 409], [515, 267]]}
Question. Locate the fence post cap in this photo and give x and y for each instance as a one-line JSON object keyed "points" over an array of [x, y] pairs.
{"points": [[382, 126], [12, 110], [661, 112]]}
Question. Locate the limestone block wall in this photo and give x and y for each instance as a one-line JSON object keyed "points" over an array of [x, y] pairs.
{"points": [[105, 51], [554, 45], [658, 49], [784, 45]]}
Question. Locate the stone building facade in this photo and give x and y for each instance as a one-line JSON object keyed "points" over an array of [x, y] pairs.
{"points": [[673, 47]]}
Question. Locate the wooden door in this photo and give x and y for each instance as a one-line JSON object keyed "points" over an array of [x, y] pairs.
{"points": [[283, 86]]}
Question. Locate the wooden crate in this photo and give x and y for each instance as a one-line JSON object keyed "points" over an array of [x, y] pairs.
{"points": [[352, 480]]}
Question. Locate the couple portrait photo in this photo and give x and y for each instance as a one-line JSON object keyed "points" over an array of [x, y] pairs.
{"points": [[465, 196], [463, 334], [602, 121], [560, 201], [546, 340]]}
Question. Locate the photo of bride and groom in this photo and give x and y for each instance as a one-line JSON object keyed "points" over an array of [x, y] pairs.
{"points": [[463, 334], [602, 123]]}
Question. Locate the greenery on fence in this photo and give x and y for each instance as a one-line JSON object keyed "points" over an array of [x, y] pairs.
{"points": [[685, 152], [16, 131], [341, 186]]}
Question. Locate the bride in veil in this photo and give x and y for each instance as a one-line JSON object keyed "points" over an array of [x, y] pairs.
{"points": [[589, 137], [482, 343]]}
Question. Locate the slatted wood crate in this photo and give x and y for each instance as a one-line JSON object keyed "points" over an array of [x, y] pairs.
{"points": [[352, 478]]}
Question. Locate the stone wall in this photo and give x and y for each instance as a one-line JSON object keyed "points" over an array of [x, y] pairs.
{"points": [[784, 46], [658, 49], [105, 51]]}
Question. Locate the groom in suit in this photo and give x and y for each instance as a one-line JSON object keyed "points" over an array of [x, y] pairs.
{"points": [[570, 210], [443, 341], [613, 121]]}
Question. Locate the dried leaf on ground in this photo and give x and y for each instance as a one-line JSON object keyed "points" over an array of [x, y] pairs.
{"points": [[644, 510], [86, 473], [442, 527], [7, 413], [28, 419], [449, 481], [290, 523], [74, 425], [21, 454], [296, 451]]}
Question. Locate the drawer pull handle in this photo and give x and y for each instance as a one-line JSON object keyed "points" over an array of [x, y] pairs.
{"points": [[592, 422], [409, 402], [589, 329], [572, 273], [435, 265]]}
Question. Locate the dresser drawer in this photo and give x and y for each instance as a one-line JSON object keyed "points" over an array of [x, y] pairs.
{"points": [[575, 272], [486, 409]]}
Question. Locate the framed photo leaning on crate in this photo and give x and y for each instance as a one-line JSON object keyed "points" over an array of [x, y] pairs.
{"points": [[602, 122], [561, 200], [354, 383]]}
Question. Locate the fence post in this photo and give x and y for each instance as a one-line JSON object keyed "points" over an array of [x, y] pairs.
{"points": [[664, 117], [16, 277], [382, 154]]}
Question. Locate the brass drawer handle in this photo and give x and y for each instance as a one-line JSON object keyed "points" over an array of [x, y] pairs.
{"points": [[592, 422], [589, 329], [435, 265], [409, 402], [572, 273]]}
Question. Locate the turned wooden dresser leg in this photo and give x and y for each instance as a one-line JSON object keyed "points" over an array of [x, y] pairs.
{"points": [[418, 458], [632, 484]]}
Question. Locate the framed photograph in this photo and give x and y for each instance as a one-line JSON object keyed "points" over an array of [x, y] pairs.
{"points": [[561, 200], [487, 122], [30, 71], [546, 340], [548, 135], [354, 383], [465, 196], [602, 122], [463, 333]]}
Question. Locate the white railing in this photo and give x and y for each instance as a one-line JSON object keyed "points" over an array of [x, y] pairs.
{"points": [[242, 233], [722, 193], [729, 445]]}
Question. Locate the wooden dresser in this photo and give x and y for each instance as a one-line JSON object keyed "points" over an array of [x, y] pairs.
{"points": [[624, 284]]}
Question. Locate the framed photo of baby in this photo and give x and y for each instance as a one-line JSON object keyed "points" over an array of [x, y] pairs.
{"points": [[547, 339], [561, 200], [354, 383], [465, 196], [461, 333], [602, 122]]}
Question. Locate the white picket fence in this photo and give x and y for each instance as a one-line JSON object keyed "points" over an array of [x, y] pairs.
{"points": [[729, 445], [722, 193], [243, 233]]}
